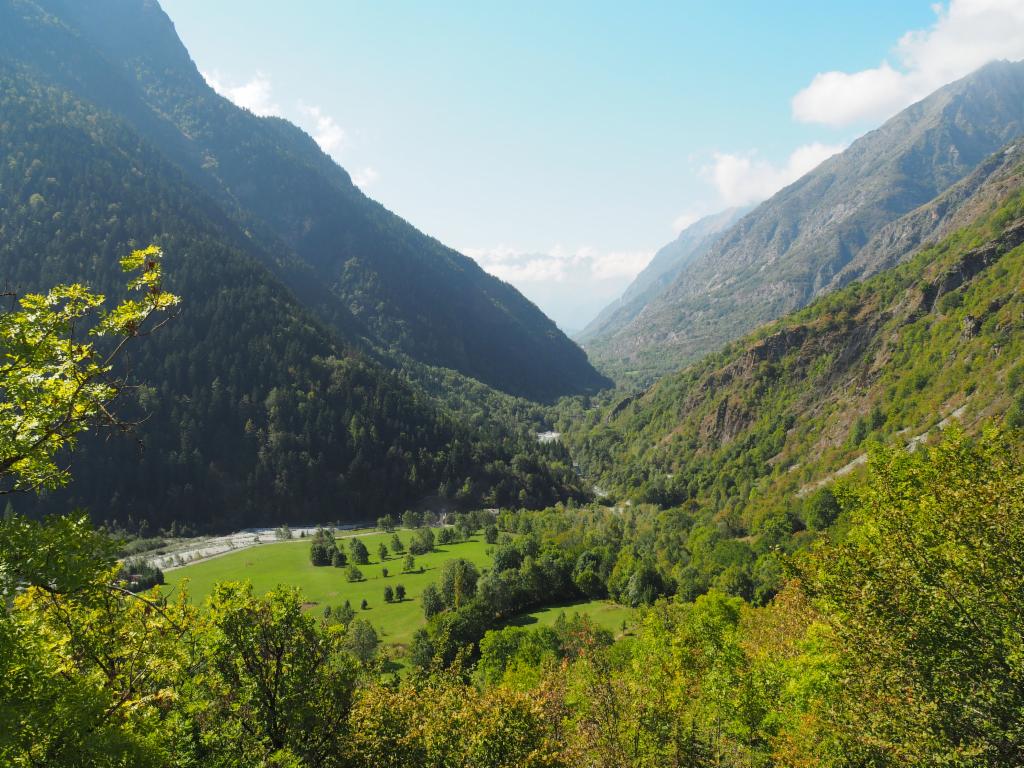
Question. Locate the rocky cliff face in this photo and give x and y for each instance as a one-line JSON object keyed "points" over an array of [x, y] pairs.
{"points": [[898, 241]]}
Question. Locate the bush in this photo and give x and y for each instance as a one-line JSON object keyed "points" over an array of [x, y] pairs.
{"points": [[353, 573]]}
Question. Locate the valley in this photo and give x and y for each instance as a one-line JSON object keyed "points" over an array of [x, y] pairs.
{"points": [[291, 483]]}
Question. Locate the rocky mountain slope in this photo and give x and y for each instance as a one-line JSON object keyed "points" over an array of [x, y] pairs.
{"points": [[790, 248], [751, 429]]}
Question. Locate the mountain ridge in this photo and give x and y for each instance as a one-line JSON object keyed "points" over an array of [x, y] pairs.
{"points": [[252, 410], [365, 266], [781, 254]]}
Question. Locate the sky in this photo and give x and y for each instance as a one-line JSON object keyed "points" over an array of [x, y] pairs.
{"points": [[560, 144]]}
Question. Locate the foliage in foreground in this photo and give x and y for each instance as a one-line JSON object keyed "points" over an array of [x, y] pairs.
{"points": [[900, 645]]}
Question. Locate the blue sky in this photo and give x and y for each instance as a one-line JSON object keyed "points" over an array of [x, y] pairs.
{"points": [[562, 143]]}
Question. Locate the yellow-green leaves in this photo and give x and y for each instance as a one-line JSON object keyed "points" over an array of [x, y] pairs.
{"points": [[128, 318], [53, 383]]}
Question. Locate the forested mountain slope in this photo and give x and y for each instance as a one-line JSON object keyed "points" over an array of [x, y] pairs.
{"points": [[778, 257], [750, 430], [255, 411], [357, 266]]}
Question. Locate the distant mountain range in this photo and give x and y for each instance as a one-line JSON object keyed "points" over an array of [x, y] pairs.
{"points": [[659, 274], [818, 233]]}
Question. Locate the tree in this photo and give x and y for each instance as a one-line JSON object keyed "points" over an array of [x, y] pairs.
{"points": [[279, 682], [431, 600], [507, 557], [409, 563], [361, 640], [396, 544], [382, 551], [411, 519], [283, 533], [344, 614], [491, 534], [389, 594], [422, 542], [364, 604], [821, 509], [923, 599], [338, 559], [399, 592], [386, 523], [71, 636], [353, 573], [322, 547], [447, 535], [71, 688], [56, 383], [458, 582], [360, 555]]}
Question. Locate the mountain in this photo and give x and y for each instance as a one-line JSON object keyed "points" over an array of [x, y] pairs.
{"points": [[794, 245], [749, 431], [358, 267], [658, 275], [896, 242], [252, 409]]}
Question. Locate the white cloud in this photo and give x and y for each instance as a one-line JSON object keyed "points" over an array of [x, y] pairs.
{"points": [[964, 36], [743, 178], [571, 285], [559, 264], [365, 177], [254, 95], [324, 129]]}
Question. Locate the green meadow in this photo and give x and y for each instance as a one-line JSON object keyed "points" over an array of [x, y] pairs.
{"points": [[604, 613], [287, 563]]}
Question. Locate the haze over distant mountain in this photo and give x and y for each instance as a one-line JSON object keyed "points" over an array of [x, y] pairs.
{"points": [[658, 275], [359, 267], [794, 245]]}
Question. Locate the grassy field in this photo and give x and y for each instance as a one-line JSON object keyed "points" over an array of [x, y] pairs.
{"points": [[270, 565], [604, 613]]}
